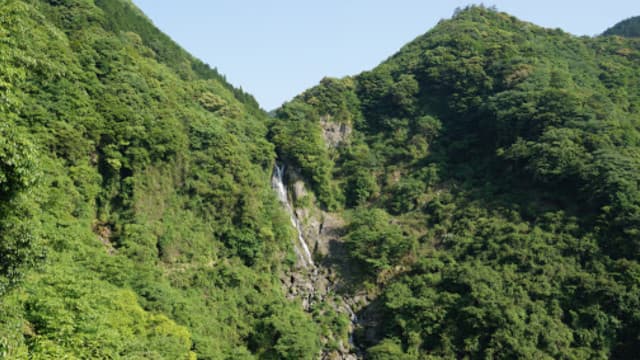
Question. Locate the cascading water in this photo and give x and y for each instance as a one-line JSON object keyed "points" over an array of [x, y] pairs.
{"points": [[312, 286], [278, 184]]}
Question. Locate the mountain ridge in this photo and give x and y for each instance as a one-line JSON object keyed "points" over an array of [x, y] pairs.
{"points": [[476, 149], [627, 28], [479, 187]]}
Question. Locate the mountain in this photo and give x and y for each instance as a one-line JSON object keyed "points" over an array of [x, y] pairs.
{"points": [[137, 219], [476, 195], [626, 28], [487, 174]]}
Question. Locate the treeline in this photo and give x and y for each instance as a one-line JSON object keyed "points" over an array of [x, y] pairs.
{"points": [[626, 28]]}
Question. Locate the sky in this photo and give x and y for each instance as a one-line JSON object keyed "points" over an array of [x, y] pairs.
{"points": [[275, 49]]}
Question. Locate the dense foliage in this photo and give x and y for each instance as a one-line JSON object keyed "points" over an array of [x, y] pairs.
{"points": [[492, 188], [627, 28], [136, 215]]}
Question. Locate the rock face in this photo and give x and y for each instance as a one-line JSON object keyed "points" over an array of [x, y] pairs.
{"points": [[318, 282], [334, 133], [301, 248], [323, 282], [320, 228]]}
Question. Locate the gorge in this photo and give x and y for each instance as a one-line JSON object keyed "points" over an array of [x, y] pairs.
{"points": [[475, 195]]}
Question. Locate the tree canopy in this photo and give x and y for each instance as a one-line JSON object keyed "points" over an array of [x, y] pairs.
{"points": [[136, 215], [491, 190], [488, 176]]}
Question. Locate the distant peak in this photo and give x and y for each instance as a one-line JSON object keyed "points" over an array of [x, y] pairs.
{"points": [[626, 28]]}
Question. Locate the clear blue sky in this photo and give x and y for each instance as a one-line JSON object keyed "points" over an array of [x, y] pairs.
{"points": [[275, 49]]}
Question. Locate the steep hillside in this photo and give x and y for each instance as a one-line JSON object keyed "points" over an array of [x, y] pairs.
{"points": [[137, 218], [490, 186], [474, 196], [626, 28]]}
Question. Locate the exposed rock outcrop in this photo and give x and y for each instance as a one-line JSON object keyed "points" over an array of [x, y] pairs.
{"points": [[334, 133], [317, 282]]}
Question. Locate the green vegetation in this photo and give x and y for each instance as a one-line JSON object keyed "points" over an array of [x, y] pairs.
{"points": [[492, 190], [376, 242], [297, 134], [490, 185], [136, 215], [626, 28]]}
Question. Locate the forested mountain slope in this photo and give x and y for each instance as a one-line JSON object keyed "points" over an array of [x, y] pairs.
{"points": [[627, 28], [487, 174], [136, 215], [491, 189]]}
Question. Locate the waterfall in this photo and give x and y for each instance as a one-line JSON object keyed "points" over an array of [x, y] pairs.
{"points": [[313, 286], [278, 184]]}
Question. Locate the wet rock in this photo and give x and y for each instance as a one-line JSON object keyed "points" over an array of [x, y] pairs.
{"points": [[313, 282]]}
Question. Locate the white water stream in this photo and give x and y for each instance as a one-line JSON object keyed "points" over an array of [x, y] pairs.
{"points": [[278, 184], [317, 275]]}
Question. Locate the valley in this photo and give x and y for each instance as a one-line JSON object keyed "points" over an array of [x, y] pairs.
{"points": [[475, 195]]}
